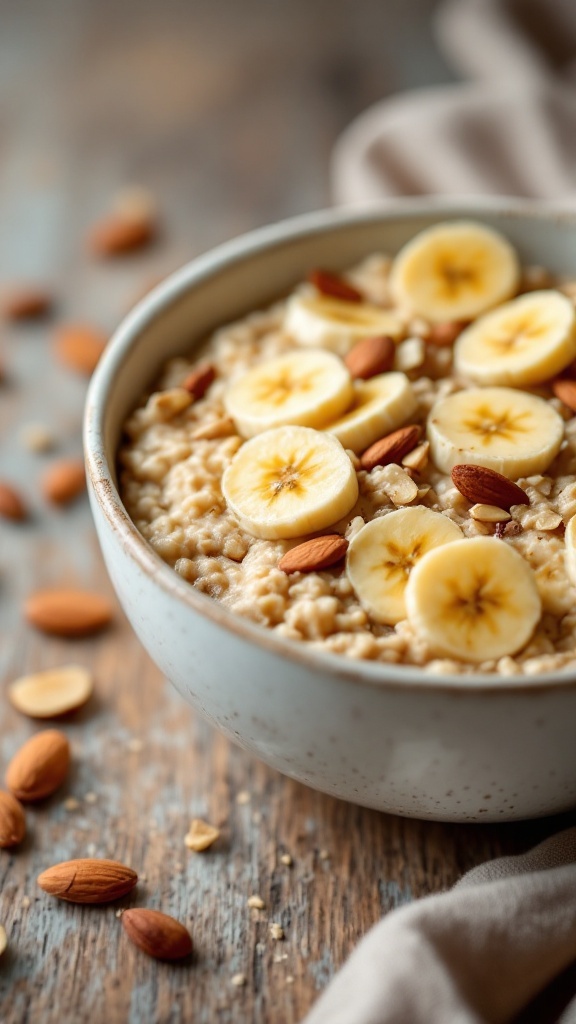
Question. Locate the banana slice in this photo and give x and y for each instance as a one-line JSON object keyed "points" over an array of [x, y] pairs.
{"points": [[384, 552], [570, 542], [521, 343], [307, 388], [290, 482], [330, 323], [474, 599], [513, 432], [454, 271], [380, 405]]}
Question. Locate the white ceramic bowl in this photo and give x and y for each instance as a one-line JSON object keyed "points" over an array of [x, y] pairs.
{"points": [[451, 748]]}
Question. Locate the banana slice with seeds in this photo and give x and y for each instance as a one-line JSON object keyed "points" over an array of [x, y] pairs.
{"points": [[454, 271], [474, 599], [333, 324], [290, 482], [380, 404], [304, 388], [521, 343], [383, 553], [512, 432]]}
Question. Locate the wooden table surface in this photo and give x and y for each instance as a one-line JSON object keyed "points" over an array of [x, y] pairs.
{"points": [[227, 113]]}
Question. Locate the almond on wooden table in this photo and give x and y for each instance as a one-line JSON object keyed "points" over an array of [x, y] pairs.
{"points": [[201, 835], [565, 389], [40, 766], [63, 481], [329, 283], [88, 880], [53, 692], [68, 612], [26, 302], [11, 503], [392, 448], [371, 356], [12, 821], [199, 380], [79, 346], [487, 487], [157, 934], [314, 555], [118, 233]]}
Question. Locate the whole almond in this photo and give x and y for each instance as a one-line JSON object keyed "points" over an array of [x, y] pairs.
{"points": [[79, 346], [88, 880], [63, 481], [487, 487], [391, 448], [118, 234], [54, 692], [11, 504], [40, 766], [371, 356], [313, 555], [26, 302], [199, 380], [12, 821], [333, 285], [64, 612], [157, 934], [565, 390], [445, 334]]}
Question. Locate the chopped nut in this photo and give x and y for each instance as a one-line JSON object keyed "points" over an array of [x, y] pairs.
{"points": [[418, 458], [26, 902], [289, 979], [135, 745], [255, 903], [279, 958], [547, 520], [36, 438], [90, 798], [286, 859], [399, 487], [215, 429], [324, 855], [489, 514], [167, 404], [243, 797], [276, 931], [409, 354], [71, 804], [239, 980], [200, 835]]}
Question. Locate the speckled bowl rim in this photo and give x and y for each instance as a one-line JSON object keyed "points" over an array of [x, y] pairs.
{"points": [[101, 476]]}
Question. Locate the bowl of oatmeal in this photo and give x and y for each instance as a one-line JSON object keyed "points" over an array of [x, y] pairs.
{"points": [[332, 467]]}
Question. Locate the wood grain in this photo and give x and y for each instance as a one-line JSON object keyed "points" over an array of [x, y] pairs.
{"points": [[227, 113]]}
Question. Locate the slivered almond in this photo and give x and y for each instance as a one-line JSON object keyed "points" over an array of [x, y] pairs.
{"points": [[198, 382], [67, 612], [12, 821], [313, 555], [11, 504], [79, 346], [63, 481], [26, 302], [329, 283], [118, 234], [445, 334], [88, 880], [391, 448], [565, 390], [56, 691], [417, 459], [486, 487], [489, 514], [157, 934], [40, 766], [371, 356], [215, 429]]}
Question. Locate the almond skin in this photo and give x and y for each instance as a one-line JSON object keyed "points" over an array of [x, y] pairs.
{"points": [[79, 347], [40, 766], [371, 356], [117, 235], [88, 880], [328, 283], [445, 334], [11, 504], [313, 555], [26, 302], [68, 612], [12, 821], [157, 934], [565, 390], [486, 487], [63, 481], [391, 448], [198, 382]]}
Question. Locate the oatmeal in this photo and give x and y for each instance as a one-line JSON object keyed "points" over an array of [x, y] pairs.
{"points": [[400, 411]]}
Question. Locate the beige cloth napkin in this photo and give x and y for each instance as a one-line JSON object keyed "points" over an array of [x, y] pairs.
{"points": [[509, 131], [478, 954]]}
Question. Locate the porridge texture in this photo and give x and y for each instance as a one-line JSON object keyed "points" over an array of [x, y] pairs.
{"points": [[427, 313]]}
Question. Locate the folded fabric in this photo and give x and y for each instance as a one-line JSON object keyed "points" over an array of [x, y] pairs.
{"points": [[478, 954], [510, 131]]}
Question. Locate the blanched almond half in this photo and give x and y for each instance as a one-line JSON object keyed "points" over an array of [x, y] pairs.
{"points": [[54, 692], [68, 612], [157, 934], [40, 766]]}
